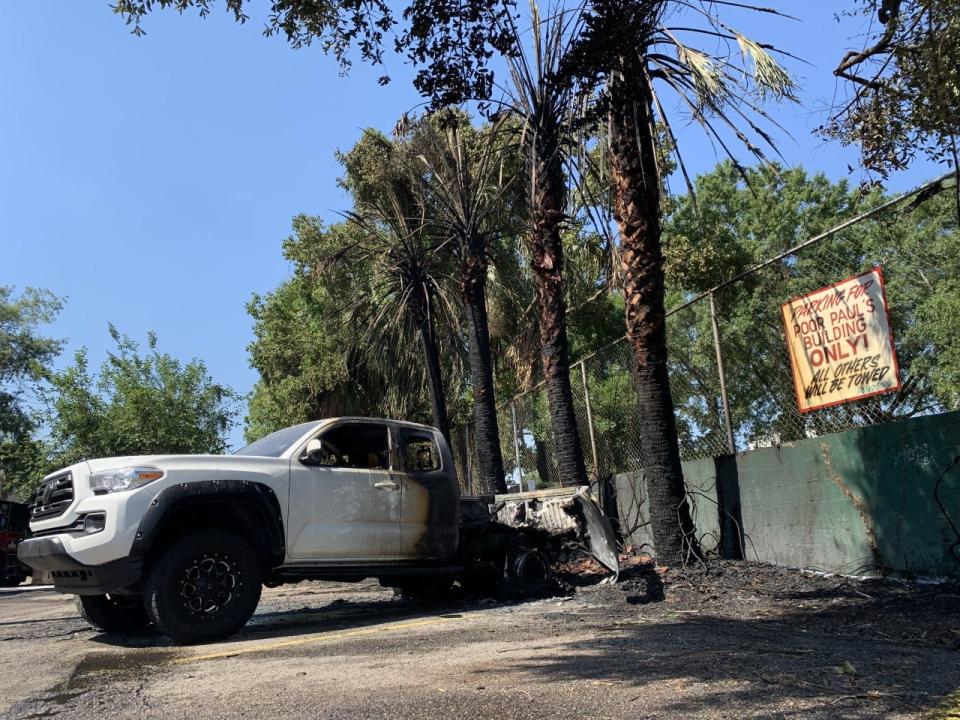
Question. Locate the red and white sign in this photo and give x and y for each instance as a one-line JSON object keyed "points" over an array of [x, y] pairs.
{"points": [[840, 342]]}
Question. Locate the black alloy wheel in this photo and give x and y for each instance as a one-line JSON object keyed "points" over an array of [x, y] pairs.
{"points": [[211, 584]]}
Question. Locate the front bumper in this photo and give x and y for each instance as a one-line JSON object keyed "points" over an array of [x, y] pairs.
{"points": [[71, 576]]}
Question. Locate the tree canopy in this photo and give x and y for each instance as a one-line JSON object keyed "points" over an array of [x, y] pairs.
{"points": [[138, 403], [446, 41], [904, 84], [734, 227], [25, 361], [307, 338], [316, 360]]}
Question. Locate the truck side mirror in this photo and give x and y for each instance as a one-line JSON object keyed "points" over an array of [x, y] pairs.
{"points": [[314, 453]]}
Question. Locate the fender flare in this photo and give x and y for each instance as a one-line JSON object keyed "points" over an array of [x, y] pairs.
{"points": [[174, 498]]}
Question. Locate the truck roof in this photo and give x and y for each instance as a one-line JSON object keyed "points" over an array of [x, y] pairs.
{"points": [[390, 421]]}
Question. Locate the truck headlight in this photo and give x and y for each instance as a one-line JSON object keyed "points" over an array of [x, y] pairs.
{"points": [[127, 478]]}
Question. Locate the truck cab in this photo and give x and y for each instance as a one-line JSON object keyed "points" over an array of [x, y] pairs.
{"points": [[372, 492]]}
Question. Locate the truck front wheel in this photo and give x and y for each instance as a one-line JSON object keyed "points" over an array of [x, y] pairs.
{"points": [[204, 587], [113, 613]]}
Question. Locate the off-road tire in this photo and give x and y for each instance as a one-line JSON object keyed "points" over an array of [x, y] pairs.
{"points": [[7, 579], [203, 587], [113, 613]]}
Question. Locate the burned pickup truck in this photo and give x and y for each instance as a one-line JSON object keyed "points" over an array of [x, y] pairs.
{"points": [[186, 542]]}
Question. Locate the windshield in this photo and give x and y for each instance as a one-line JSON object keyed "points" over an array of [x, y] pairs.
{"points": [[276, 444]]}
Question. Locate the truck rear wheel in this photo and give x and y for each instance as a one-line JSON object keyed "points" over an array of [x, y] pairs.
{"points": [[113, 613], [205, 587], [426, 589]]}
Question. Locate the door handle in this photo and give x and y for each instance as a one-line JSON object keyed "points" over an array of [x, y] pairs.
{"points": [[386, 485]]}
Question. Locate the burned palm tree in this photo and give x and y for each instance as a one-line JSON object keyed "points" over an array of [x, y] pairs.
{"points": [[406, 287], [542, 104], [405, 292], [630, 47], [465, 185]]}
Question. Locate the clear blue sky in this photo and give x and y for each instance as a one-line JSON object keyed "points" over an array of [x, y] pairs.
{"points": [[151, 180]]}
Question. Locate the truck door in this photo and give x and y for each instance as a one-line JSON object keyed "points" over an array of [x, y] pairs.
{"points": [[346, 505], [431, 498]]}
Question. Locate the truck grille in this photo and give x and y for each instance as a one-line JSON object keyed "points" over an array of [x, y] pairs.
{"points": [[53, 498]]}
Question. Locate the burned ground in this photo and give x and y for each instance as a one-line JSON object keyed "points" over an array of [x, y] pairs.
{"points": [[716, 641]]}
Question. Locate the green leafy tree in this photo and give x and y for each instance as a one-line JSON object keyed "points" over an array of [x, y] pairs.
{"points": [[137, 404], [25, 359], [904, 84], [726, 227], [302, 348], [734, 226]]}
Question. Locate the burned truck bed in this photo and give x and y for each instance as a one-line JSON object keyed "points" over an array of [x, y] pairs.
{"points": [[517, 537]]}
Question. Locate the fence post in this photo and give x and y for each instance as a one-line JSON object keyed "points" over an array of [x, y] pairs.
{"points": [[516, 445], [586, 400], [731, 443]]}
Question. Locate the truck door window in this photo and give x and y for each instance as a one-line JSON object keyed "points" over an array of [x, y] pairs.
{"points": [[359, 446], [420, 453]]}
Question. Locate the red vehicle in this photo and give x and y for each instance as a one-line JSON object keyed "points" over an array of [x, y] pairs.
{"points": [[13, 524]]}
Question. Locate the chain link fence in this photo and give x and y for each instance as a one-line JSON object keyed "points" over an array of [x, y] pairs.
{"points": [[730, 374]]}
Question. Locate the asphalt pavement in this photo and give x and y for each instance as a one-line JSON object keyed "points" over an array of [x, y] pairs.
{"points": [[326, 650]]}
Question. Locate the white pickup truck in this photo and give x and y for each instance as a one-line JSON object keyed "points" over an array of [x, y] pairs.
{"points": [[185, 542]]}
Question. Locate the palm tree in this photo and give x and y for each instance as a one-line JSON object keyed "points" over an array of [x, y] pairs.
{"points": [[465, 183], [628, 46], [407, 283], [406, 286], [313, 360], [543, 107]]}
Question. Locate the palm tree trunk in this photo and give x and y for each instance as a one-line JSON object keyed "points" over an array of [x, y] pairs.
{"points": [[438, 403], [489, 471], [546, 261], [420, 307], [636, 186], [543, 462]]}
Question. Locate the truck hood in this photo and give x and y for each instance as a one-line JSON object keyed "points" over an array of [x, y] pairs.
{"points": [[168, 462]]}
